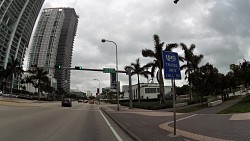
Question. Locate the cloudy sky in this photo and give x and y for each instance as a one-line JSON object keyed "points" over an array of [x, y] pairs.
{"points": [[219, 29]]}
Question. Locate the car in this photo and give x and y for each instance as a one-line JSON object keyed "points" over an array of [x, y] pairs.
{"points": [[80, 100], [66, 102], [13, 96]]}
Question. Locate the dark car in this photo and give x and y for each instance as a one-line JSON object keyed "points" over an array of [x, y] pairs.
{"points": [[80, 100], [67, 102]]}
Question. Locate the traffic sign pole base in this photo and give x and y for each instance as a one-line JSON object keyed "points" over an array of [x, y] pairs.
{"points": [[173, 136]]}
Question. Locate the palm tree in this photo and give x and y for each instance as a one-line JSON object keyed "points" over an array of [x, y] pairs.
{"points": [[170, 47], [157, 62], [3, 77], [14, 69], [136, 69], [28, 81], [191, 65], [39, 78]]}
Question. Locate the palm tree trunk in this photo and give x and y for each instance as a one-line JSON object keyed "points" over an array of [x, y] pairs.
{"points": [[12, 83], [38, 91], [191, 86], [2, 84], [191, 90], [139, 89], [161, 87]]}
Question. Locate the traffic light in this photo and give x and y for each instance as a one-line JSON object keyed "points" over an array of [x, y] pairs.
{"points": [[176, 1], [78, 67], [57, 66]]}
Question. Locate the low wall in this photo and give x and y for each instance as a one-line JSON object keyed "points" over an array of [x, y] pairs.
{"points": [[181, 104], [214, 103]]}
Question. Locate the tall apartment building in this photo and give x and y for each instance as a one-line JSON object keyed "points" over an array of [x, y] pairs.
{"points": [[65, 48], [53, 43], [17, 19], [45, 40]]}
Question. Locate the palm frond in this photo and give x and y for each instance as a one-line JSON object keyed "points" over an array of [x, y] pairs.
{"points": [[148, 53]]}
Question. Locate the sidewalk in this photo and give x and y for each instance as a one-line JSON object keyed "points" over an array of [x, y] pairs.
{"points": [[202, 125], [143, 125], [218, 108]]}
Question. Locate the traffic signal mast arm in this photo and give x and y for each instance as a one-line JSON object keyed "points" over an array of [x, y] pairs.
{"points": [[84, 69]]}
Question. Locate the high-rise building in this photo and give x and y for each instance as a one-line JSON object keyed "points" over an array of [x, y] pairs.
{"points": [[65, 48], [17, 19], [46, 39], [53, 43]]}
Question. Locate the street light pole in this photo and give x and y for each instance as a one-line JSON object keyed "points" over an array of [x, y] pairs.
{"points": [[117, 91]]}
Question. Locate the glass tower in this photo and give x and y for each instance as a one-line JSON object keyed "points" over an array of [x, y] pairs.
{"points": [[17, 19], [53, 43]]}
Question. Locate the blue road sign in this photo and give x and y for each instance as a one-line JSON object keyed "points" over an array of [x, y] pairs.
{"points": [[171, 65]]}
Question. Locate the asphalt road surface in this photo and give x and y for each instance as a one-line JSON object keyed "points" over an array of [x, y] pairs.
{"points": [[82, 122]]}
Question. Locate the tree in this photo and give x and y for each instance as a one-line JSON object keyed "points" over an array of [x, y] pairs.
{"points": [[191, 65], [136, 69], [3, 77], [28, 81], [210, 81], [234, 75], [39, 78], [46, 87], [158, 61], [60, 93], [245, 72], [14, 69], [209, 76]]}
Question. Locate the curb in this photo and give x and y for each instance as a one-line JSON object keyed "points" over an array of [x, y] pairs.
{"points": [[12, 103], [133, 136], [5, 100], [15, 103]]}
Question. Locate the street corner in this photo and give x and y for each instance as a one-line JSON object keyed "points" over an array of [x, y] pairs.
{"points": [[240, 116], [198, 137], [187, 134]]}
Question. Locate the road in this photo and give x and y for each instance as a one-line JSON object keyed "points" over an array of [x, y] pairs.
{"points": [[51, 122]]}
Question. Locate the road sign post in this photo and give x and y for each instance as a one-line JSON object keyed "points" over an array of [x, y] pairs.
{"points": [[172, 71]]}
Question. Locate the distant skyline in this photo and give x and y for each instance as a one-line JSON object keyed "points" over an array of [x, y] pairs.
{"points": [[218, 28]]}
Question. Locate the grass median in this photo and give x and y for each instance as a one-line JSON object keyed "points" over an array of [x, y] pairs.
{"points": [[191, 109], [241, 107]]}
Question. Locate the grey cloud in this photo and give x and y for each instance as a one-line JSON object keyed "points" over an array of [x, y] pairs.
{"points": [[219, 28]]}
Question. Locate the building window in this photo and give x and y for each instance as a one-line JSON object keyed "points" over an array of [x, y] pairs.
{"points": [[150, 90]]}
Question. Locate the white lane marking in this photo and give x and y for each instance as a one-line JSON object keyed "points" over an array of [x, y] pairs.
{"points": [[112, 129], [182, 118]]}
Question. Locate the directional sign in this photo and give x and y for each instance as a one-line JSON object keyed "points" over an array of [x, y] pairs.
{"points": [[171, 65], [108, 70]]}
